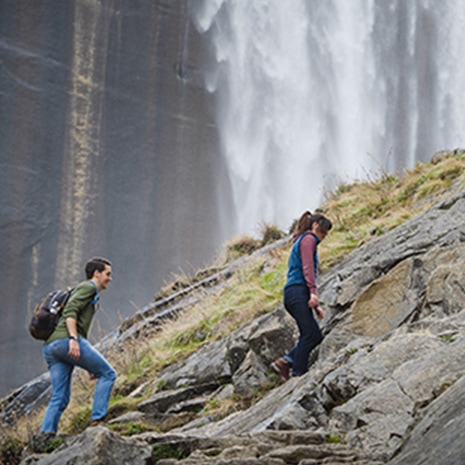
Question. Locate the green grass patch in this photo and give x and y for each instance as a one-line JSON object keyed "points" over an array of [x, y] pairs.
{"points": [[54, 444], [448, 338], [334, 439], [79, 421], [168, 451], [130, 428]]}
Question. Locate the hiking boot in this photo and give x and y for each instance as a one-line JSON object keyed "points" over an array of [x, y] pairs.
{"points": [[97, 422], [282, 368]]}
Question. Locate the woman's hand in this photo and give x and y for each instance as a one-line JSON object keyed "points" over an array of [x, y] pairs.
{"points": [[313, 302], [319, 312]]}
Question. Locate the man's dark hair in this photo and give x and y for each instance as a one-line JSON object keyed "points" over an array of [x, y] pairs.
{"points": [[94, 264]]}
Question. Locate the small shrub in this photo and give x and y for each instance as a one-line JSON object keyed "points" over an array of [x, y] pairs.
{"points": [[10, 450], [271, 233], [180, 282], [242, 245], [162, 385], [213, 404]]}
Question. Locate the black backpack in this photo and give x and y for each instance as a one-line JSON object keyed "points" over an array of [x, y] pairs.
{"points": [[47, 313]]}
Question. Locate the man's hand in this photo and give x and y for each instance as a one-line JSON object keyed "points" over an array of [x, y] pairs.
{"points": [[74, 349]]}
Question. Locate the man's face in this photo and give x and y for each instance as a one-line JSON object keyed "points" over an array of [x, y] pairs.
{"points": [[103, 278]]}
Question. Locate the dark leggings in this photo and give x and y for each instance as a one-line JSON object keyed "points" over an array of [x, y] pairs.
{"points": [[296, 303]]}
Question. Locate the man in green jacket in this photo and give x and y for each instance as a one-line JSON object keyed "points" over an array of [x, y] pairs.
{"points": [[68, 347]]}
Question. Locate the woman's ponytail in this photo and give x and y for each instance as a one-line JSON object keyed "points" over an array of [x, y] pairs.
{"points": [[307, 219]]}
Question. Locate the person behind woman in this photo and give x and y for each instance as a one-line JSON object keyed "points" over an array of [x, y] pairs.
{"points": [[300, 293]]}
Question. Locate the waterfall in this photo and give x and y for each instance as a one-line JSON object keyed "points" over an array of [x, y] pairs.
{"points": [[311, 94]]}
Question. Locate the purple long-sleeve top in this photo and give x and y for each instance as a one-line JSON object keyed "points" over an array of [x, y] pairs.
{"points": [[307, 252]]}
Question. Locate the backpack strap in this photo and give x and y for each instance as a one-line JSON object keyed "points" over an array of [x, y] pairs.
{"points": [[96, 297]]}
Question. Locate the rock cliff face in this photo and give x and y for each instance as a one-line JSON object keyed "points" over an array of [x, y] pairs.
{"points": [[385, 386], [108, 146]]}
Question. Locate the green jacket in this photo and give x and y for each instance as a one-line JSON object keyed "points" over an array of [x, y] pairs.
{"points": [[79, 307]]}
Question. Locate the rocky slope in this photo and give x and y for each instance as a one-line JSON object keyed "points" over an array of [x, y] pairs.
{"points": [[386, 385]]}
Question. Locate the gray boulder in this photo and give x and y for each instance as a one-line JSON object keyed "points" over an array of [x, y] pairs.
{"points": [[96, 446], [439, 437]]}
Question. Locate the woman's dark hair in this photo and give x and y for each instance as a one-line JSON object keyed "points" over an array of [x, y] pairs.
{"points": [[94, 264], [306, 222]]}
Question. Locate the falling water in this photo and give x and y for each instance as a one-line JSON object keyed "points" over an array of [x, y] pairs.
{"points": [[311, 94]]}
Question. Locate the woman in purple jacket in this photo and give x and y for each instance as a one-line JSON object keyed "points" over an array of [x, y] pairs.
{"points": [[300, 293]]}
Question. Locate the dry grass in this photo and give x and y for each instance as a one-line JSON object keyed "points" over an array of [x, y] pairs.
{"points": [[362, 210]]}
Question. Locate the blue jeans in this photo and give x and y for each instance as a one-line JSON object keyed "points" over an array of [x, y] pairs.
{"points": [[61, 368], [296, 303]]}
